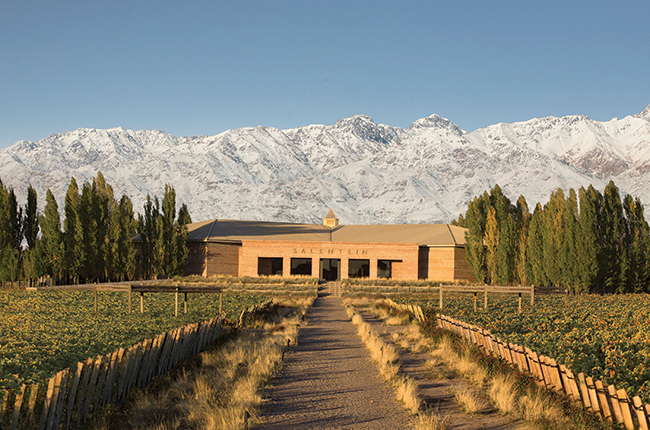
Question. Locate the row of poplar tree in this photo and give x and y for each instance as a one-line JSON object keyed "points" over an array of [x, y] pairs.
{"points": [[96, 242], [585, 242]]}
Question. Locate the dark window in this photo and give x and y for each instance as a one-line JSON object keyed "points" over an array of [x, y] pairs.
{"points": [[329, 269], [358, 268], [384, 269], [301, 266], [269, 266]]}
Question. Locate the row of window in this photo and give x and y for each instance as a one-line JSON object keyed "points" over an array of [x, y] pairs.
{"points": [[329, 268]]}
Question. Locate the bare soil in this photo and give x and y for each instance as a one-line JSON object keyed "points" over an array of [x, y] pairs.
{"points": [[329, 381]]}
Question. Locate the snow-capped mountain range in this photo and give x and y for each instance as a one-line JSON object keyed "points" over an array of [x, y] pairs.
{"points": [[367, 173]]}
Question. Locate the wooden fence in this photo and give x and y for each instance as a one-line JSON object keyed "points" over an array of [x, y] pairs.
{"points": [[605, 400], [74, 395]]}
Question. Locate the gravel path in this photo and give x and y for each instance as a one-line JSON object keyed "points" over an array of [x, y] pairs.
{"points": [[329, 381]]}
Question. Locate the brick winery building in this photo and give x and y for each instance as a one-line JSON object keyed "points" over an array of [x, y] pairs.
{"points": [[329, 251]]}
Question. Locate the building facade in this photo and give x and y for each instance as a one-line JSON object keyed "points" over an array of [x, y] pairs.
{"points": [[329, 251]]}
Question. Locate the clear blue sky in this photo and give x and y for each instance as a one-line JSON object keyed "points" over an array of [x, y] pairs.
{"points": [[202, 67]]}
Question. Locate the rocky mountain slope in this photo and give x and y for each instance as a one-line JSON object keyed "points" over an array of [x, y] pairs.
{"points": [[367, 172]]}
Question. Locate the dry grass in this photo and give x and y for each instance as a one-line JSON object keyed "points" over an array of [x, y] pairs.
{"points": [[434, 369], [360, 302], [397, 320], [503, 394], [223, 390], [533, 405], [432, 420], [537, 405], [407, 393], [470, 401]]}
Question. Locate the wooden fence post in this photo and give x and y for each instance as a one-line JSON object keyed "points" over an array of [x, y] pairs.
{"points": [[532, 296], [95, 288], [176, 305], [88, 367], [616, 407], [30, 407], [73, 393], [519, 302], [625, 403], [46, 403], [440, 296], [60, 399], [130, 291], [185, 303], [475, 300], [593, 395], [640, 415], [602, 399], [141, 302], [17, 406]]}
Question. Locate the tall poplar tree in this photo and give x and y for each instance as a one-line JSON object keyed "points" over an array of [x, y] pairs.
{"points": [[31, 218], [167, 242], [521, 228], [474, 246], [181, 235], [148, 233], [553, 234], [638, 245], [568, 258], [491, 242], [123, 250], [8, 254], [614, 259], [73, 236], [587, 240], [52, 237], [535, 248]]}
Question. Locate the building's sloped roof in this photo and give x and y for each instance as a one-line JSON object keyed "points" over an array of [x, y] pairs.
{"points": [[423, 234], [237, 231]]}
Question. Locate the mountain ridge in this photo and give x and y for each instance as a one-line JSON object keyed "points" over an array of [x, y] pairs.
{"points": [[367, 172]]}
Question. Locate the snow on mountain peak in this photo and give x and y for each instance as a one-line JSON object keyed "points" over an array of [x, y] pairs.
{"points": [[435, 121], [645, 114], [366, 172]]}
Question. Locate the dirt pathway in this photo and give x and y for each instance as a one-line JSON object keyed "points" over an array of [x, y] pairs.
{"points": [[329, 381], [438, 391]]}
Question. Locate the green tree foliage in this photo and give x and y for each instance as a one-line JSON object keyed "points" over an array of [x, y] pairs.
{"points": [[522, 225], [181, 251], [553, 236], [535, 248], [73, 237], [475, 220], [585, 242], [30, 226], [11, 236], [491, 240], [568, 251], [163, 236], [96, 243], [124, 229], [52, 238]]}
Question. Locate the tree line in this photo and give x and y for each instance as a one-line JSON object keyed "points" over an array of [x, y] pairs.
{"points": [[96, 240], [585, 242]]}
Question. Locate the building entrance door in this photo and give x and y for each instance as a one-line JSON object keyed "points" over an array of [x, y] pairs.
{"points": [[330, 269]]}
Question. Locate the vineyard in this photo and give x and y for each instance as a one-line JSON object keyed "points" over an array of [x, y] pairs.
{"points": [[606, 337], [42, 333]]}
